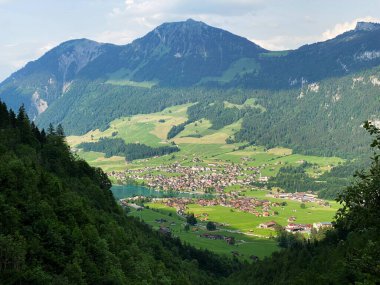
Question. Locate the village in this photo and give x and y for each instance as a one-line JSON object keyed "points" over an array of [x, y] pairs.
{"points": [[191, 178], [227, 185]]}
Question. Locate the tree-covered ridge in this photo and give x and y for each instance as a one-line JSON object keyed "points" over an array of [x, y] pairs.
{"points": [[311, 120], [90, 105], [318, 117], [131, 151], [59, 223], [217, 113], [328, 185]]}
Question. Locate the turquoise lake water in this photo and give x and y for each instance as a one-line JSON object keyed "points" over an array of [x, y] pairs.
{"points": [[126, 191]]}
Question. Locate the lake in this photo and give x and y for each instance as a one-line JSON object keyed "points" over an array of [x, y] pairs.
{"points": [[126, 191]]}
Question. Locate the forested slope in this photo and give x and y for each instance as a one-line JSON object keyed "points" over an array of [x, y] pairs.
{"points": [[59, 223]]}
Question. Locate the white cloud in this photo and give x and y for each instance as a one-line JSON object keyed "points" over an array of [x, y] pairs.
{"points": [[284, 42], [340, 28], [134, 18], [116, 37]]}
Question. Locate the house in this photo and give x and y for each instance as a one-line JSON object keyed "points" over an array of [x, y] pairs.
{"points": [[322, 225], [268, 225], [298, 227]]}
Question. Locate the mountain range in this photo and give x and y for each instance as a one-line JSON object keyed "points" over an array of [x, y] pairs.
{"points": [[314, 97]]}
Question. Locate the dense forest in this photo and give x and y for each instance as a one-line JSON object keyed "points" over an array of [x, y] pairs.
{"points": [[328, 185], [59, 223], [318, 117], [217, 113], [131, 151], [313, 119]]}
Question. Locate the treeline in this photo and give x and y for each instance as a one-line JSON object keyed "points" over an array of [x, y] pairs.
{"points": [[328, 185], [293, 179], [117, 147], [349, 253], [175, 130], [217, 114], [89, 105], [310, 120], [60, 224]]}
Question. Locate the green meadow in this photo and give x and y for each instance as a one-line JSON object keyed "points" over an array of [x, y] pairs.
{"points": [[197, 142], [245, 245], [243, 226]]}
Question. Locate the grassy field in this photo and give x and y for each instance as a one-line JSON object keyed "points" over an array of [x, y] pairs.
{"points": [[196, 140], [245, 245], [251, 240]]}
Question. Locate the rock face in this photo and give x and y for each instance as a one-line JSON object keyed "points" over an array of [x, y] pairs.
{"points": [[41, 82]]}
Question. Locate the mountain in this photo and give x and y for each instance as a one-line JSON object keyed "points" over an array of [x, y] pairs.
{"points": [[41, 82], [348, 53], [175, 54], [184, 54], [313, 96]]}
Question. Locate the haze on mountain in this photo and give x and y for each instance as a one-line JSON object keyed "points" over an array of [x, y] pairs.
{"points": [[84, 85]]}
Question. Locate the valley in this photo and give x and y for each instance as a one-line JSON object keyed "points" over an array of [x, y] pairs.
{"points": [[233, 176], [192, 155]]}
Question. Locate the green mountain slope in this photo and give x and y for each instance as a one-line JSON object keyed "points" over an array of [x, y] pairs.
{"points": [[185, 54], [313, 119]]}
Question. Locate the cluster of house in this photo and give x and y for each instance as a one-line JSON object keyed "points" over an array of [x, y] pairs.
{"points": [[191, 178], [294, 227], [260, 208], [301, 197]]}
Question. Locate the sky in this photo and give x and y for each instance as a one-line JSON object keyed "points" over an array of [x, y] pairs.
{"points": [[29, 28]]}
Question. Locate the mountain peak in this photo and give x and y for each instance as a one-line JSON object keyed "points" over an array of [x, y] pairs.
{"points": [[367, 26]]}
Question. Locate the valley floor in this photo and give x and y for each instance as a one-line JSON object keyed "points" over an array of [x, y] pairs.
{"points": [[207, 164]]}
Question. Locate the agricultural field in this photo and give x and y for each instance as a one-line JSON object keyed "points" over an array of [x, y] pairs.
{"points": [[243, 226], [197, 140], [202, 146], [245, 245]]}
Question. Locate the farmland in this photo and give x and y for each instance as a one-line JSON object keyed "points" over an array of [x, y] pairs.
{"points": [[209, 145], [206, 162], [243, 226]]}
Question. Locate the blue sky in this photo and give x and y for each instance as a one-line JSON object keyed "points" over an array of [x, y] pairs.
{"points": [[31, 27]]}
